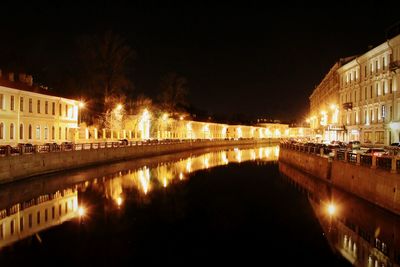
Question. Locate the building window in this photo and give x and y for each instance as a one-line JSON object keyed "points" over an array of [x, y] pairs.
{"points": [[30, 105], [38, 218], [53, 212], [53, 133], [38, 106], [12, 131], [60, 109], [46, 107], [1, 101], [376, 66], [1, 231], [367, 137], [30, 220], [12, 103], [21, 224], [30, 131], [21, 131], [12, 225], [46, 133], [377, 89], [390, 113], [46, 216], [66, 207], [383, 112], [365, 117], [38, 132], [1, 130], [365, 93], [365, 71], [66, 133], [53, 108], [59, 133], [21, 104], [379, 137], [370, 68], [66, 110], [370, 91], [383, 63]]}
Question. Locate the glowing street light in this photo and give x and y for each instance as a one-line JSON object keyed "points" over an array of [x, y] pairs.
{"points": [[81, 211], [119, 107], [331, 209]]}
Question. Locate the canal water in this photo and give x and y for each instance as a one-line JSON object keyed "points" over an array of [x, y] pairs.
{"points": [[212, 206]]}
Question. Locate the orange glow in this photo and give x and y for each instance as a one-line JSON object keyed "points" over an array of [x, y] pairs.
{"points": [[81, 211], [331, 209]]}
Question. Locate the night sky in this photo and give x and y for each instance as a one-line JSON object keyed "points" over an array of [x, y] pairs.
{"points": [[260, 61]]}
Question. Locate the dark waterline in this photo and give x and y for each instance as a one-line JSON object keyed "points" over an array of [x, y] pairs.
{"points": [[241, 212]]}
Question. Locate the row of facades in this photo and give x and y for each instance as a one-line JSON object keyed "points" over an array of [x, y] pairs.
{"points": [[29, 114], [359, 98]]}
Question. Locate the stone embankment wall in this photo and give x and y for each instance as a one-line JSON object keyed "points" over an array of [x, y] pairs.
{"points": [[17, 167], [378, 186]]}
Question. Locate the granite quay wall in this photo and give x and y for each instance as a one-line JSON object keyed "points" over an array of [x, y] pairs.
{"points": [[14, 167], [375, 179]]}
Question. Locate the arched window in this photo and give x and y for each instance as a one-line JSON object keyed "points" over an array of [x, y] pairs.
{"points": [[38, 132], [1, 130], [12, 131], [46, 132], [30, 131], [21, 131]]}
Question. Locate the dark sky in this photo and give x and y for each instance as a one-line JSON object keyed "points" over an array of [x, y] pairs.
{"points": [[261, 61]]}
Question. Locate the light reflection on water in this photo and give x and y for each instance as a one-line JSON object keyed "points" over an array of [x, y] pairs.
{"points": [[362, 233], [30, 216]]}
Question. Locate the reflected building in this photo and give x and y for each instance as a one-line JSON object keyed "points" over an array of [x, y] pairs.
{"points": [[361, 232], [21, 218], [28, 218]]}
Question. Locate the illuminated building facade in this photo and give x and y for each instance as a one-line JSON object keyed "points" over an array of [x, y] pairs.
{"points": [[369, 95], [324, 105], [28, 114], [30, 217]]}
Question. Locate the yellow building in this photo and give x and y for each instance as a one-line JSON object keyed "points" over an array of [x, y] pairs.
{"points": [[30, 217], [369, 95], [29, 114], [324, 105]]}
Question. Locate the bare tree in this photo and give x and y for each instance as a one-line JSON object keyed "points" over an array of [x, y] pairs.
{"points": [[173, 94], [107, 66]]}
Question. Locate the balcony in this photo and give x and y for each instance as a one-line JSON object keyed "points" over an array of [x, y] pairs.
{"points": [[348, 105], [393, 66]]}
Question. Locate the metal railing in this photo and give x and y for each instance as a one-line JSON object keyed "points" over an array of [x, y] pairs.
{"points": [[8, 150], [384, 162]]}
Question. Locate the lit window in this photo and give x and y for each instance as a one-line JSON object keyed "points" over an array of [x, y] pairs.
{"points": [[12, 103], [12, 131], [21, 103], [38, 132], [1, 130]]}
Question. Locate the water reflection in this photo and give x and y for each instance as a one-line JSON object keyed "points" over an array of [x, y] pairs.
{"points": [[32, 206], [362, 233]]}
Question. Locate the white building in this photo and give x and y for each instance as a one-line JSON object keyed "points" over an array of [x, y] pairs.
{"points": [[369, 95], [29, 114]]}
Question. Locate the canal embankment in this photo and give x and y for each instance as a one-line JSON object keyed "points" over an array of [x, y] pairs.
{"points": [[375, 179], [15, 167]]}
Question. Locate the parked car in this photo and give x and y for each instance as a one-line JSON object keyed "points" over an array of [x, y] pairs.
{"points": [[67, 145], [376, 152], [123, 142], [354, 145]]}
